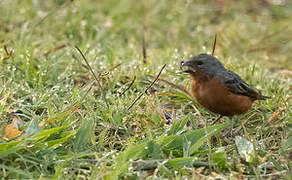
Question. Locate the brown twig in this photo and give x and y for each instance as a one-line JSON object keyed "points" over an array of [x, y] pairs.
{"points": [[128, 86], [95, 77], [82, 101], [8, 53], [83, 65], [87, 92], [217, 120], [88, 66], [144, 49], [6, 50], [214, 45], [55, 49], [147, 88], [181, 88], [114, 67]]}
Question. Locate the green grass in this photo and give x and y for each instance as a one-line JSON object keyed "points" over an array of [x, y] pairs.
{"points": [[72, 133]]}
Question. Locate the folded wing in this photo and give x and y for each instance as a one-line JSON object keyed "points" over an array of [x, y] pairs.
{"points": [[236, 85]]}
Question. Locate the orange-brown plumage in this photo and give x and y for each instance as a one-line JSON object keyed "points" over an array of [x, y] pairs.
{"points": [[213, 95], [218, 89]]}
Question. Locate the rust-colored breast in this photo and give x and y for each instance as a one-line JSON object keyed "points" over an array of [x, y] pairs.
{"points": [[214, 96]]}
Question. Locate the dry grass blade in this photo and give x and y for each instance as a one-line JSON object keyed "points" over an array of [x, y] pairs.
{"points": [[115, 67], [55, 49], [181, 88], [88, 66], [6, 50], [128, 86], [85, 95], [95, 77], [134, 102], [144, 50], [8, 53], [214, 45]]}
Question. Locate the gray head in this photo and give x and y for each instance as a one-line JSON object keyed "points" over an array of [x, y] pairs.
{"points": [[209, 65]]}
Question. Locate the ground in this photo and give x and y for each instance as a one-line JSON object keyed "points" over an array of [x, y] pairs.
{"points": [[59, 120]]}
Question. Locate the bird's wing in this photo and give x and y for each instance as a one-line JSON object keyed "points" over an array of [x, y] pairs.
{"points": [[236, 85]]}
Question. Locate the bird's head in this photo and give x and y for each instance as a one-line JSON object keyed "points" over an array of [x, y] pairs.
{"points": [[204, 63]]}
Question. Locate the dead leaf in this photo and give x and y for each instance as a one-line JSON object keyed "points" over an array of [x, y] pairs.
{"points": [[11, 131]]}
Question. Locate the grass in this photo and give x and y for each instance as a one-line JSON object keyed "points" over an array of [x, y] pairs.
{"points": [[72, 128]]}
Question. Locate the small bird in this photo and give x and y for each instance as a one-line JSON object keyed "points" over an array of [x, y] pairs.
{"points": [[218, 89]]}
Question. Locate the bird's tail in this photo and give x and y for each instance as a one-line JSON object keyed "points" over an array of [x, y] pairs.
{"points": [[262, 97]]}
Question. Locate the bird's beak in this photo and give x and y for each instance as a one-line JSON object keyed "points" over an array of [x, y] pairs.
{"points": [[187, 67]]}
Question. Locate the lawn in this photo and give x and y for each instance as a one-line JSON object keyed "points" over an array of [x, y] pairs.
{"points": [[81, 96]]}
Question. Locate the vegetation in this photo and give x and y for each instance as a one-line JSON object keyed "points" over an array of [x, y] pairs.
{"points": [[58, 121]]}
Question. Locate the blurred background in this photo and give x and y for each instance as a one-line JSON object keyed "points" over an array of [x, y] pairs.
{"points": [[252, 30]]}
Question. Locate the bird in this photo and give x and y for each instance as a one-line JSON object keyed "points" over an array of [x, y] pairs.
{"points": [[218, 89]]}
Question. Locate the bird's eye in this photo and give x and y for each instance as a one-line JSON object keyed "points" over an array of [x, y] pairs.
{"points": [[199, 63]]}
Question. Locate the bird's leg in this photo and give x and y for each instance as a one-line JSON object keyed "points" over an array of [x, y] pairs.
{"points": [[233, 121], [233, 124], [217, 119]]}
